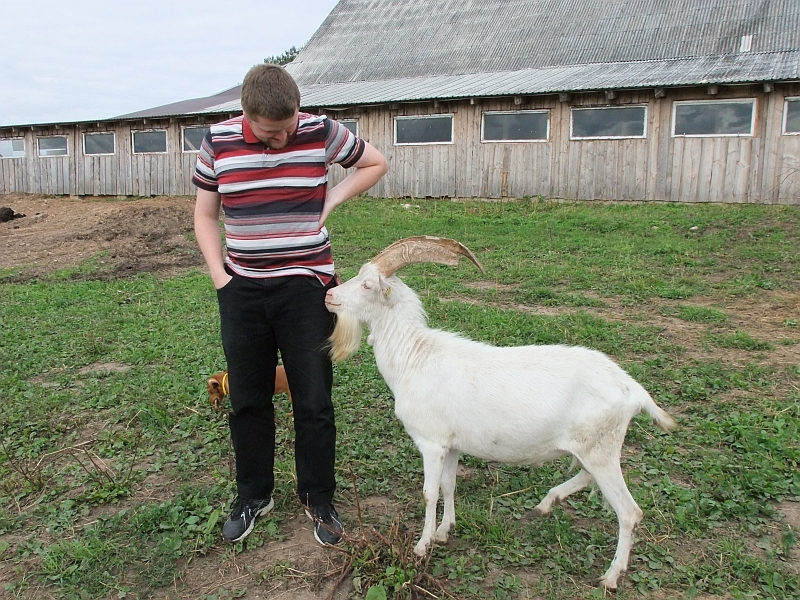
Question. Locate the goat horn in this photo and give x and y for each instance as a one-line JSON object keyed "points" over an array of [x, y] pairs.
{"points": [[420, 249]]}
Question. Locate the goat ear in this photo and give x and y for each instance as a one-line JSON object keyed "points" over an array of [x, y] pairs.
{"points": [[386, 288]]}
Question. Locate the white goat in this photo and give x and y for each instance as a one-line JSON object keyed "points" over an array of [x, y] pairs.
{"points": [[523, 405]]}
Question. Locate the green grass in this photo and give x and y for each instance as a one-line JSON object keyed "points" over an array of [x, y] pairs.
{"points": [[83, 451]]}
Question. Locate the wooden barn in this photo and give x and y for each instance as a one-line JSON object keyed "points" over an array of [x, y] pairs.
{"points": [[692, 101], [148, 153]]}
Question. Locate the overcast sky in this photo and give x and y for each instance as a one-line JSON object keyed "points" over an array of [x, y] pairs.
{"points": [[75, 60]]}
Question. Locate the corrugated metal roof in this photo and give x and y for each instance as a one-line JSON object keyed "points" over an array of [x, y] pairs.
{"points": [[187, 107], [725, 69], [381, 40], [690, 71]]}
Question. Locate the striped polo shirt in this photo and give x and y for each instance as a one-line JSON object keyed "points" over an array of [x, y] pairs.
{"points": [[272, 199]]}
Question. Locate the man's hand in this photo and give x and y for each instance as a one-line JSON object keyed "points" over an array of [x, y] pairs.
{"points": [[220, 281]]}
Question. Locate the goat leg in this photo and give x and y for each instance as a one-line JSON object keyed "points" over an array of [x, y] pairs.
{"points": [[433, 460], [560, 492], [448, 488]]}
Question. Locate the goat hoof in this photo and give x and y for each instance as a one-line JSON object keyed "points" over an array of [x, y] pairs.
{"points": [[606, 584], [601, 584], [443, 533], [421, 550]]}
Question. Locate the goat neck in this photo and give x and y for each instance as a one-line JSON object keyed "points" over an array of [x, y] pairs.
{"points": [[396, 332]]}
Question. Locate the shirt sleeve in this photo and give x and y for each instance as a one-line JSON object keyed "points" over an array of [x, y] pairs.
{"points": [[205, 177], [341, 146]]}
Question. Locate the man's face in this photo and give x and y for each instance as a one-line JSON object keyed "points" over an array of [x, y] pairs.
{"points": [[275, 134]]}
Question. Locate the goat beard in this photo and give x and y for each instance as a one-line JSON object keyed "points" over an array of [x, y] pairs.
{"points": [[346, 337]]}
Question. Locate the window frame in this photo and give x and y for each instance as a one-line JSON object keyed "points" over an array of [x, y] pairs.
{"points": [[676, 103], [436, 116], [343, 121], [133, 141], [516, 112], [86, 134], [573, 109], [785, 119], [50, 137], [183, 138], [13, 156]]}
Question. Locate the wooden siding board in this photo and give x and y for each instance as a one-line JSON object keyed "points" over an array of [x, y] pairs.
{"points": [[560, 151], [675, 171], [716, 158], [470, 182], [496, 179], [756, 161], [586, 160], [137, 177], [743, 170], [665, 162], [729, 168], [773, 110], [701, 160], [759, 149], [787, 180]]}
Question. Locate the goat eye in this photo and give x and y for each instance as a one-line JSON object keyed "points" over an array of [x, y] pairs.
{"points": [[365, 285]]}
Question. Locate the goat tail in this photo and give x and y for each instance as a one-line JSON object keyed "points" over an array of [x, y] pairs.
{"points": [[660, 417]]}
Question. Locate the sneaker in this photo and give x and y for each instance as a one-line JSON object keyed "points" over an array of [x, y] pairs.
{"points": [[328, 529], [243, 517]]}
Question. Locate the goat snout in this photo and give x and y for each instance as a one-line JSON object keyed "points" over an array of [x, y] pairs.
{"points": [[330, 300]]}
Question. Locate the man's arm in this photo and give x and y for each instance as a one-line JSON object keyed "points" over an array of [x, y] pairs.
{"points": [[206, 229], [368, 170]]}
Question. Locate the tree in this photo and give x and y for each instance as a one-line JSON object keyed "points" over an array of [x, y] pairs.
{"points": [[285, 58]]}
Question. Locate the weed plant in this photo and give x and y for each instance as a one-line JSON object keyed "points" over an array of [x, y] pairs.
{"points": [[115, 478]]}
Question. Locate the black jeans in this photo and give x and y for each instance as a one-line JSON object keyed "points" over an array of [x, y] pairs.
{"points": [[259, 318]]}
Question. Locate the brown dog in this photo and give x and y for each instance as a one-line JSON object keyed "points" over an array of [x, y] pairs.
{"points": [[217, 386]]}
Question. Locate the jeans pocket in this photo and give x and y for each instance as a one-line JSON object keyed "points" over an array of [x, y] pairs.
{"points": [[230, 283], [315, 283]]}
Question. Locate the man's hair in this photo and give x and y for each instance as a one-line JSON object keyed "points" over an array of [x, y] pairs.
{"points": [[268, 91]]}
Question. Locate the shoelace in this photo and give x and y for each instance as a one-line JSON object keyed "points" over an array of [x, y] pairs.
{"points": [[238, 507]]}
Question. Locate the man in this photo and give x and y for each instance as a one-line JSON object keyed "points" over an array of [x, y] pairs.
{"points": [[268, 170]]}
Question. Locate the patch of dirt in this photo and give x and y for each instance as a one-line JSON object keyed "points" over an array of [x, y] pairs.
{"points": [[122, 236], [105, 367], [764, 318], [790, 513], [294, 568]]}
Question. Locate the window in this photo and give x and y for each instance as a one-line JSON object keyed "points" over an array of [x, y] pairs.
{"points": [[98, 143], [434, 129], [150, 141], [193, 137], [351, 124], [12, 148], [52, 146], [713, 117], [791, 116], [608, 122], [519, 126]]}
